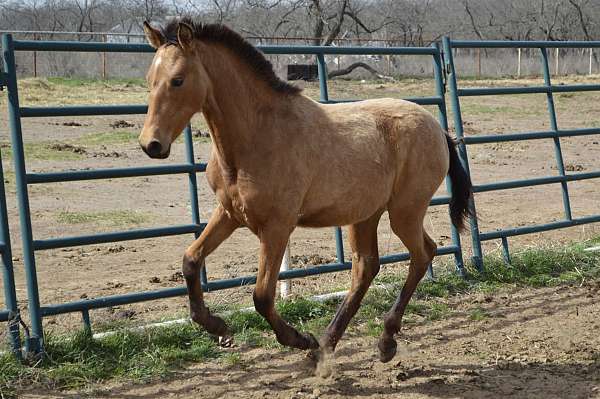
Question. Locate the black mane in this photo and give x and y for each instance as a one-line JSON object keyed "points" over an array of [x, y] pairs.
{"points": [[222, 34]]}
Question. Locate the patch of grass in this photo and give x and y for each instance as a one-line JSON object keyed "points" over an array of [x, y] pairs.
{"points": [[373, 328], [437, 311], [232, 359], [78, 82], [478, 109], [108, 138], [241, 321], [540, 267], [43, 151], [478, 314], [80, 360], [112, 218]]}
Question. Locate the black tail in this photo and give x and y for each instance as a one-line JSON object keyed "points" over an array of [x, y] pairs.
{"points": [[461, 188]]}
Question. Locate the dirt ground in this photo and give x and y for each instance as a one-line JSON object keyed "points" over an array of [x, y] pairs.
{"points": [[532, 343], [76, 208]]}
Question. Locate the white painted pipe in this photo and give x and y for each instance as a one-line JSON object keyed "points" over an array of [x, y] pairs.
{"points": [[285, 286]]}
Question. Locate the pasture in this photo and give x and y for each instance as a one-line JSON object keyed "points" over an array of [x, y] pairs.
{"points": [[505, 332]]}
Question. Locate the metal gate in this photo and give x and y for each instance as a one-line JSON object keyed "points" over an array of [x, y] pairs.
{"points": [[37, 310], [555, 133]]}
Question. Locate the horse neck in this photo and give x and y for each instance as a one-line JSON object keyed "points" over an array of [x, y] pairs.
{"points": [[235, 101]]}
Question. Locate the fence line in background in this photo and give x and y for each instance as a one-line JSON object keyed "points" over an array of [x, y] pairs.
{"points": [[483, 64]]}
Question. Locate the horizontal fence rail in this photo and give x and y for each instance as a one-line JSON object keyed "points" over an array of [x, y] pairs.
{"points": [[555, 134], [522, 44], [23, 178]]}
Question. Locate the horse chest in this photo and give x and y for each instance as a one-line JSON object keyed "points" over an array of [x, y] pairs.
{"points": [[230, 196]]}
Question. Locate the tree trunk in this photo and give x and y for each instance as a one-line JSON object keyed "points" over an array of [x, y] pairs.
{"points": [[352, 67]]}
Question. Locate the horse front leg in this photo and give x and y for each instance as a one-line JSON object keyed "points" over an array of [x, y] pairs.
{"points": [[273, 242], [219, 228]]}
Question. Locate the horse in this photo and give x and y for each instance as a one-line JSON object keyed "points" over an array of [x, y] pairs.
{"points": [[280, 160]]}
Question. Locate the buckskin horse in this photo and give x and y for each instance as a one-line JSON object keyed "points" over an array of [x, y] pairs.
{"points": [[281, 160]]}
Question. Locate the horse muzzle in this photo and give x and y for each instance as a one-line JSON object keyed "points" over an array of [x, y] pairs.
{"points": [[154, 149]]}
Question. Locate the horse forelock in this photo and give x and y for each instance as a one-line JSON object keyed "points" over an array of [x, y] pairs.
{"points": [[219, 33]]}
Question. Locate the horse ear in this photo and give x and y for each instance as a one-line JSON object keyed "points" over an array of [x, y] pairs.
{"points": [[154, 36], [185, 35]]}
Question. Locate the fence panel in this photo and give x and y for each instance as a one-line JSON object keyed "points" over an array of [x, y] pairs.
{"points": [[31, 245], [554, 133]]}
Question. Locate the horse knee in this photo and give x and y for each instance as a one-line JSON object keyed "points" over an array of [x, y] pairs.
{"points": [[190, 266]]}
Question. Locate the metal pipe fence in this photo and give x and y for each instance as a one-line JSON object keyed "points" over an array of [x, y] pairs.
{"points": [[37, 310], [554, 133]]}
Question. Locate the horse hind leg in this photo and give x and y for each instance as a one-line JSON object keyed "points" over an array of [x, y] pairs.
{"points": [[408, 227], [365, 266]]}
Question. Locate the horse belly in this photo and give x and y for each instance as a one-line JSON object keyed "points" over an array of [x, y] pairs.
{"points": [[352, 205]]}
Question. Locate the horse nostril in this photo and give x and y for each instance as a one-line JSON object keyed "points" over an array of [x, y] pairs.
{"points": [[154, 149]]}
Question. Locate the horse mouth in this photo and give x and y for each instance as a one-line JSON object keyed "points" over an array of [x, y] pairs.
{"points": [[163, 155]]}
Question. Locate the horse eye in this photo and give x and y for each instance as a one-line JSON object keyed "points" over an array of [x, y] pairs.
{"points": [[177, 82]]}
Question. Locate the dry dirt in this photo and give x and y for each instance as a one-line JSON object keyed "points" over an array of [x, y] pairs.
{"points": [[540, 343], [96, 271]]}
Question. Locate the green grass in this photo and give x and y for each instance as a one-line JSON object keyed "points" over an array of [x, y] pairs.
{"points": [[107, 138], [77, 360], [478, 314], [112, 218], [81, 360], [42, 151], [78, 82], [478, 109]]}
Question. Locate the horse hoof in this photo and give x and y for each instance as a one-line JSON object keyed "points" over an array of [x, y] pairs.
{"points": [[226, 341], [387, 349], [310, 341]]}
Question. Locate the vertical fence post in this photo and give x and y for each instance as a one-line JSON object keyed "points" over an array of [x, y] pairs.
{"points": [[556, 61], [462, 149], [35, 74], [193, 187], [104, 39], [478, 63], [389, 64], [554, 126], [591, 58], [518, 62], [8, 277], [505, 250], [324, 97], [35, 343], [438, 72]]}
